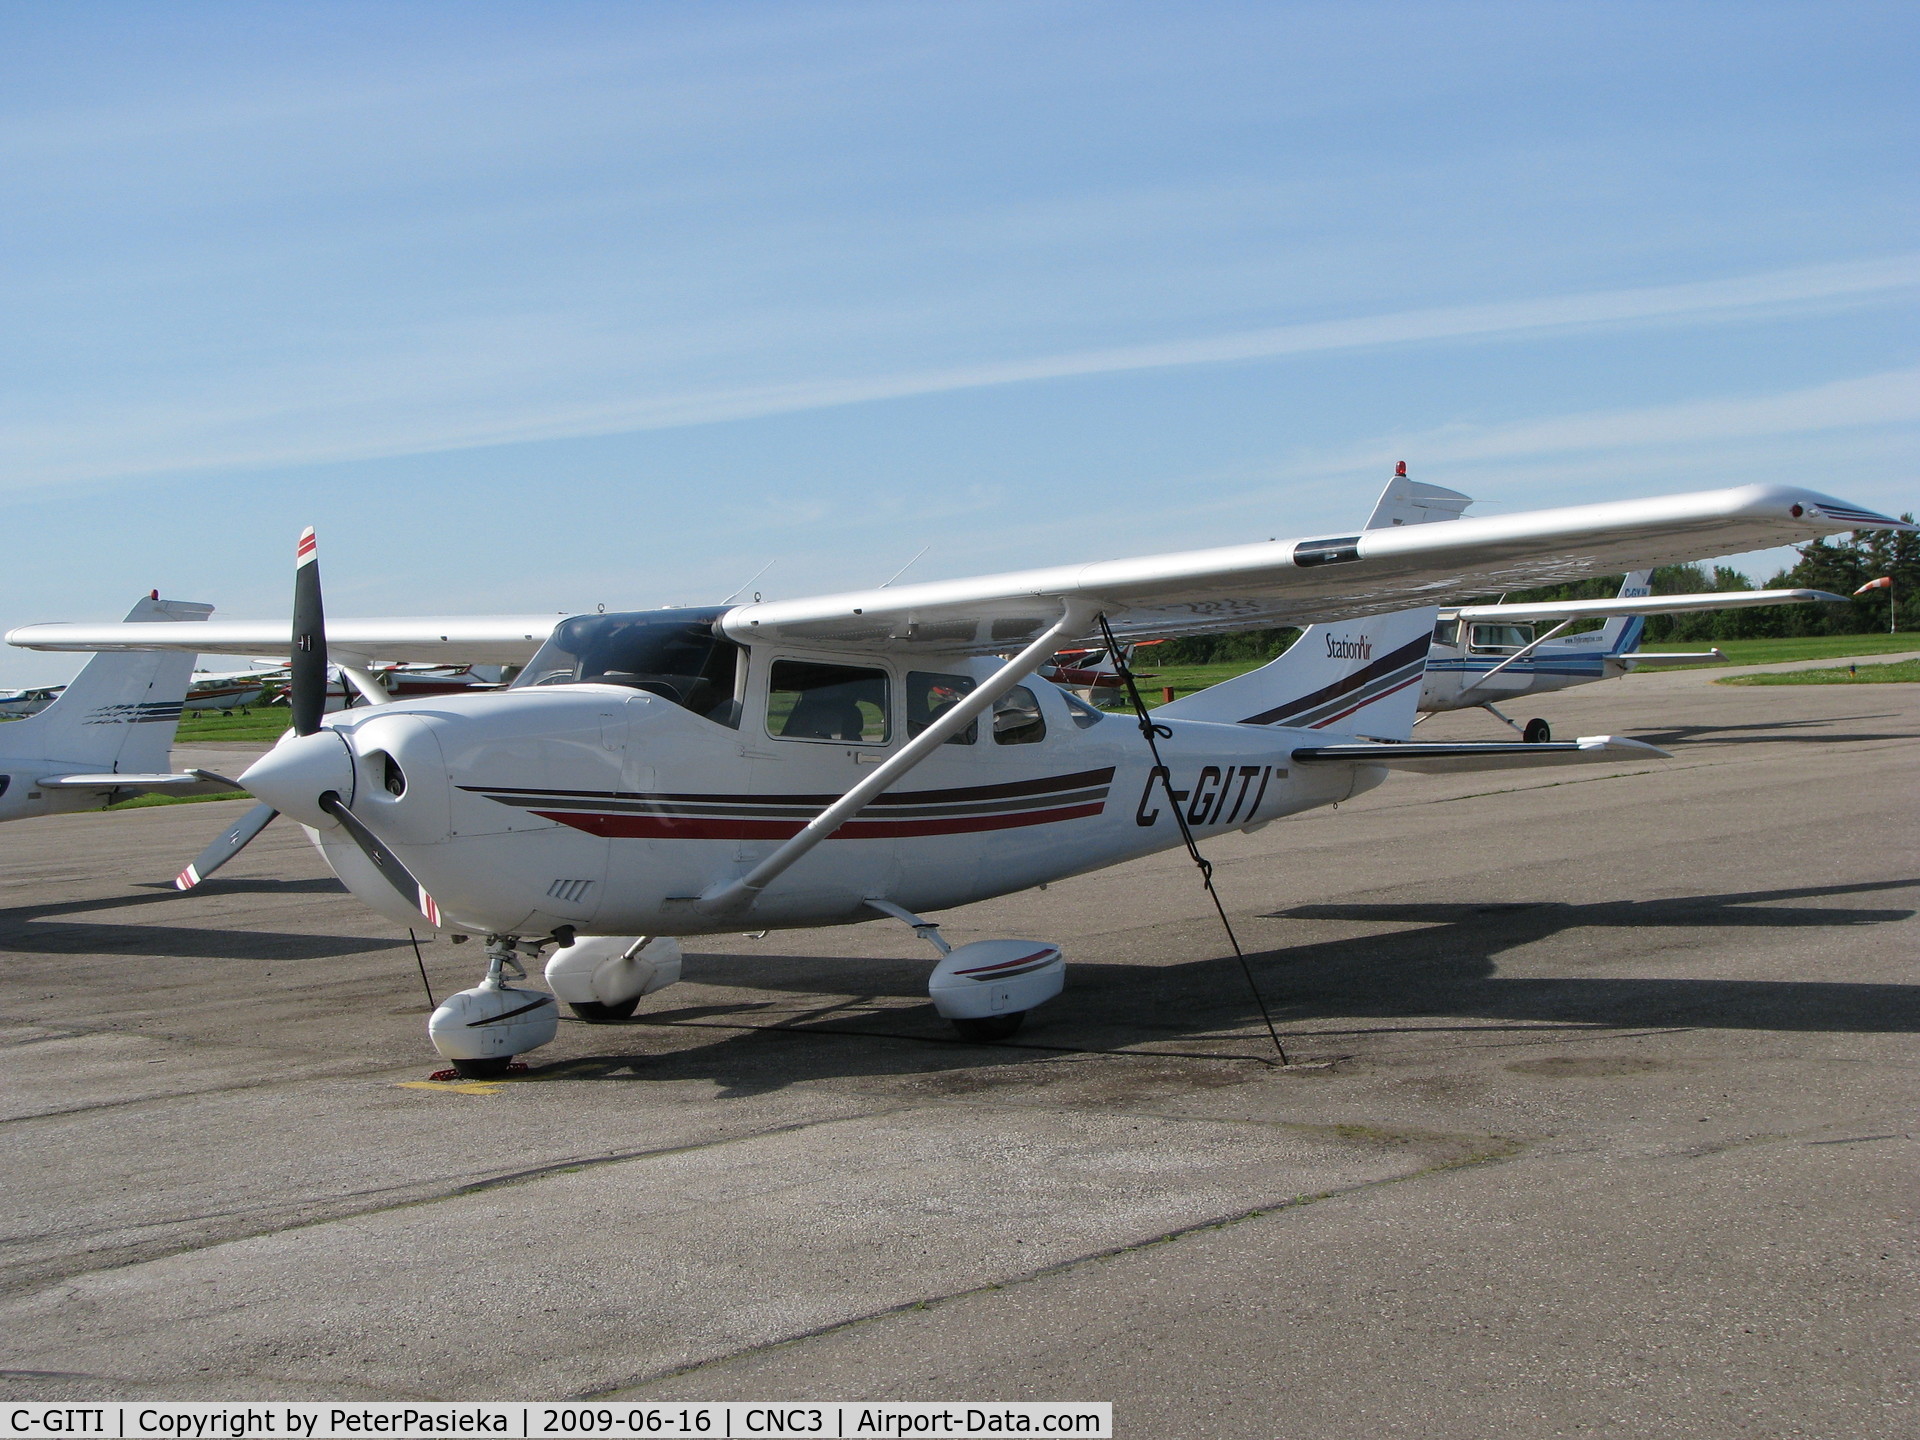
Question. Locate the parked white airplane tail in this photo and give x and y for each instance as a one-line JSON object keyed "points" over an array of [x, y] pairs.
{"points": [[1360, 677], [1622, 633], [120, 711], [1414, 502], [1356, 677]]}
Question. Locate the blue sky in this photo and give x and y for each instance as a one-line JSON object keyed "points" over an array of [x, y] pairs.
{"points": [[541, 306]]}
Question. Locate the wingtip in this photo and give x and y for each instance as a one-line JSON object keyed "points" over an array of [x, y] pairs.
{"points": [[1624, 745]]}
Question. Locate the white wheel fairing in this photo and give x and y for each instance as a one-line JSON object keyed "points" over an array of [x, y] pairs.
{"points": [[996, 977], [493, 1022]]}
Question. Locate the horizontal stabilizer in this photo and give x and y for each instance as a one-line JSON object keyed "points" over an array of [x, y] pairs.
{"points": [[1637, 658], [1445, 759]]}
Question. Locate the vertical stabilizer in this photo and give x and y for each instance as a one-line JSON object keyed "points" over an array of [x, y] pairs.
{"points": [[121, 710], [1622, 633], [1354, 677], [1414, 502]]}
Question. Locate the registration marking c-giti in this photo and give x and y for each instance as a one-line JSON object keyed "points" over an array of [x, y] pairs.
{"points": [[1207, 800]]}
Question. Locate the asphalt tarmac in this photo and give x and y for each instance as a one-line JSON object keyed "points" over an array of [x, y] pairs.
{"points": [[1601, 1122]]}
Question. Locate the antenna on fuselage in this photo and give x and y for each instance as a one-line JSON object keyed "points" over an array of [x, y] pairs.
{"points": [[750, 579], [906, 567]]}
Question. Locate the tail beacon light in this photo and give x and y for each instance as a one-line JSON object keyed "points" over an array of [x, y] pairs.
{"points": [[996, 977]]}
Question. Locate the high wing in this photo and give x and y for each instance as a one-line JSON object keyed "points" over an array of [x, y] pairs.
{"points": [[122, 780], [1276, 582], [1304, 581], [1644, 605], [448, 639]]}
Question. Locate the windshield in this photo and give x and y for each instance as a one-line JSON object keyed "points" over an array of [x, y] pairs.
{"points": [[675, 654]]}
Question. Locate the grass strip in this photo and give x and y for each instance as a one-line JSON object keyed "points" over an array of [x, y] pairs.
{"points": [[1900, 672]]}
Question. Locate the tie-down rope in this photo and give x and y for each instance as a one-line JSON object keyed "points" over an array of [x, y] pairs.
{"points": [[1153, 734]]}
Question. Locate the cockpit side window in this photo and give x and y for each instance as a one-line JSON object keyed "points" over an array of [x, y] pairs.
{"points": [[678, 655], [929, 696], [1447, 632], [813, 700], [1017, 719], [1499, 639]]}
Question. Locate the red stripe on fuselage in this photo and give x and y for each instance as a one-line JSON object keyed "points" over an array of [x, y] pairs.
{"points": [[703, 827]]}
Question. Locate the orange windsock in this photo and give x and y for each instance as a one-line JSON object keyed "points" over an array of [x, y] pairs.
{"points": [[1885, 582]]}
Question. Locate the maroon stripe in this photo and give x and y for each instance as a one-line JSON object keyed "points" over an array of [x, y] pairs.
{"points": [[1004, 964], [705, 827], [1081, 781]]}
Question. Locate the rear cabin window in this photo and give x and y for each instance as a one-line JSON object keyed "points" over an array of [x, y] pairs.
{"points": [[675, 654], [1017, 719], [808, 700], [1447, 632], [1082, 714], [930, 695]]}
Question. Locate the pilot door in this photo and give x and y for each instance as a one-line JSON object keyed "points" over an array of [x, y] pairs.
{"points": [[1487, 647]]}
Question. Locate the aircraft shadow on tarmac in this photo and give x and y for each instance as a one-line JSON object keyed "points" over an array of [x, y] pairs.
{"points": [[1444, 970], [1741, 734], [38, 930]]}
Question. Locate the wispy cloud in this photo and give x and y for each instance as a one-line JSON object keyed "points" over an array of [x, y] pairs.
{"points": [[282, 430], [1891, 397]]}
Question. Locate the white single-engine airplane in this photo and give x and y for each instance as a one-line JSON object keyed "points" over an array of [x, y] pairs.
{"points": [[106, 735], [666, 773]]}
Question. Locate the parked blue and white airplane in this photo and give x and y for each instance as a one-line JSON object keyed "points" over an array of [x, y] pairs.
{"points": [[106, 736], [1484, 653]]}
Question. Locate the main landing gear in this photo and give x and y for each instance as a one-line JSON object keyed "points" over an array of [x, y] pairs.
{"points": [[1534, 732], [602, 977], [985, 989]]}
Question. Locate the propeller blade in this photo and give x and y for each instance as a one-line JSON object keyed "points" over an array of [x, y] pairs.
{"points": [[308, 681], [230, 844], [384, 860], [214, 777]]}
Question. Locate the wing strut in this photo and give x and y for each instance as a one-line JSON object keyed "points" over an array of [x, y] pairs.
{"points": [[1074, 616]]}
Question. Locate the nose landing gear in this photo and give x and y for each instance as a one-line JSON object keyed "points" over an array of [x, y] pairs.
{"points": [[482, 1029]]}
